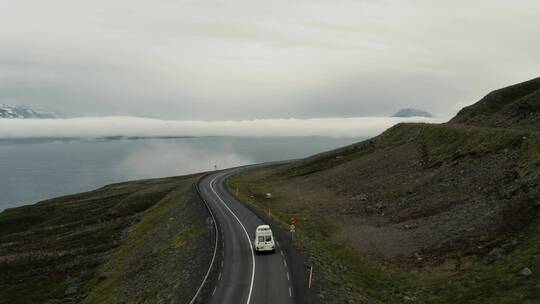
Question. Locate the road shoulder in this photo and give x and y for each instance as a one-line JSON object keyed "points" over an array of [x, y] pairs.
{"points": [[297, 260]]}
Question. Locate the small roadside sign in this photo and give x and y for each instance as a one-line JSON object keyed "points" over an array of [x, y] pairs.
{"points": [[293, 220], [292, 227]]}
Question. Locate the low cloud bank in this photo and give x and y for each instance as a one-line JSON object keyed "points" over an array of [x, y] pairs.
{"points": [[95, 127]]}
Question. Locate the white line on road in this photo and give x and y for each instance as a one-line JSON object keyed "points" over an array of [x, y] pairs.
{"points": [[215, 245], [281, 251], [247, 237], [213, 292], [219, 277], [285, 263], [288, 278], [290, 292]]}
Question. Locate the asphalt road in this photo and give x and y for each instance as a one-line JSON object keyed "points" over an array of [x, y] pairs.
{"points": [[243, 277]]}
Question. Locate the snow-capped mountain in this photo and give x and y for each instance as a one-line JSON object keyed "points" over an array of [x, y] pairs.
{"points": [[18, 111]]}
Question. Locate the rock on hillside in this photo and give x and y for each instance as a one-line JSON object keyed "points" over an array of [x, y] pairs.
{"points": [[516, 106], [18, 111], [409, 112]]}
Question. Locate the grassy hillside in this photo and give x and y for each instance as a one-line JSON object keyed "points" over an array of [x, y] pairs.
{"points": [[420, 214], [134, 242], [516, 106]]}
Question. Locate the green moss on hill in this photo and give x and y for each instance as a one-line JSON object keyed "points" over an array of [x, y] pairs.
{"points": [[516, 106], [142, 241]]}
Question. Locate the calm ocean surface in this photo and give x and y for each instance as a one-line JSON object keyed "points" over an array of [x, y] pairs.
{"points": [[35, 170]]}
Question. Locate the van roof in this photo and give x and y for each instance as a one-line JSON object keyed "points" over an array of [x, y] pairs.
{"points": [[263, 228]]}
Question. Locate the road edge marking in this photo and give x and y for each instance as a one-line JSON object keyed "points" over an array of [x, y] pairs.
{"points": [[216, 240], [212, 182]]}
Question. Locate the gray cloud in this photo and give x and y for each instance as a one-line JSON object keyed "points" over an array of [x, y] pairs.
{"points": [[245, 60]]}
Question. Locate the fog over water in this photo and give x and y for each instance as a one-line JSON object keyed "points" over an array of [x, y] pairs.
{"points": [[36, 169], [95, 127], [44, 158]]}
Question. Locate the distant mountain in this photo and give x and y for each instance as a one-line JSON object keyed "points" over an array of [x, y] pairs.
{"points": [[18, 111], [410, 112]]}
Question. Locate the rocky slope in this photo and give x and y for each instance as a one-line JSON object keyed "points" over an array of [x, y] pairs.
{"points": [[422, 213]]}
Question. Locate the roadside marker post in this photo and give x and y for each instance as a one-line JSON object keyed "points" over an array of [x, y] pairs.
{"points": [[310, 276], [210, 223]]}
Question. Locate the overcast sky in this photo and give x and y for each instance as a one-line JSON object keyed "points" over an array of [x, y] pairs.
{"points": [[216, 60]]}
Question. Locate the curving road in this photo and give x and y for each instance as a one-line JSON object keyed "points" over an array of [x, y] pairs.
{"points": [[244, 277]]}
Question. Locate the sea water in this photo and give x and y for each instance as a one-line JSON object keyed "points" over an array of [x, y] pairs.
{"points": [[32, 170]]}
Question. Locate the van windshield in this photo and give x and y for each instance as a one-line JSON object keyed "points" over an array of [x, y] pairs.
{"points": [[261, 238], [268, 238]]}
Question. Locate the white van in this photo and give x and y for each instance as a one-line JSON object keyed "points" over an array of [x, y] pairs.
{"points": [[264, 239]]}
